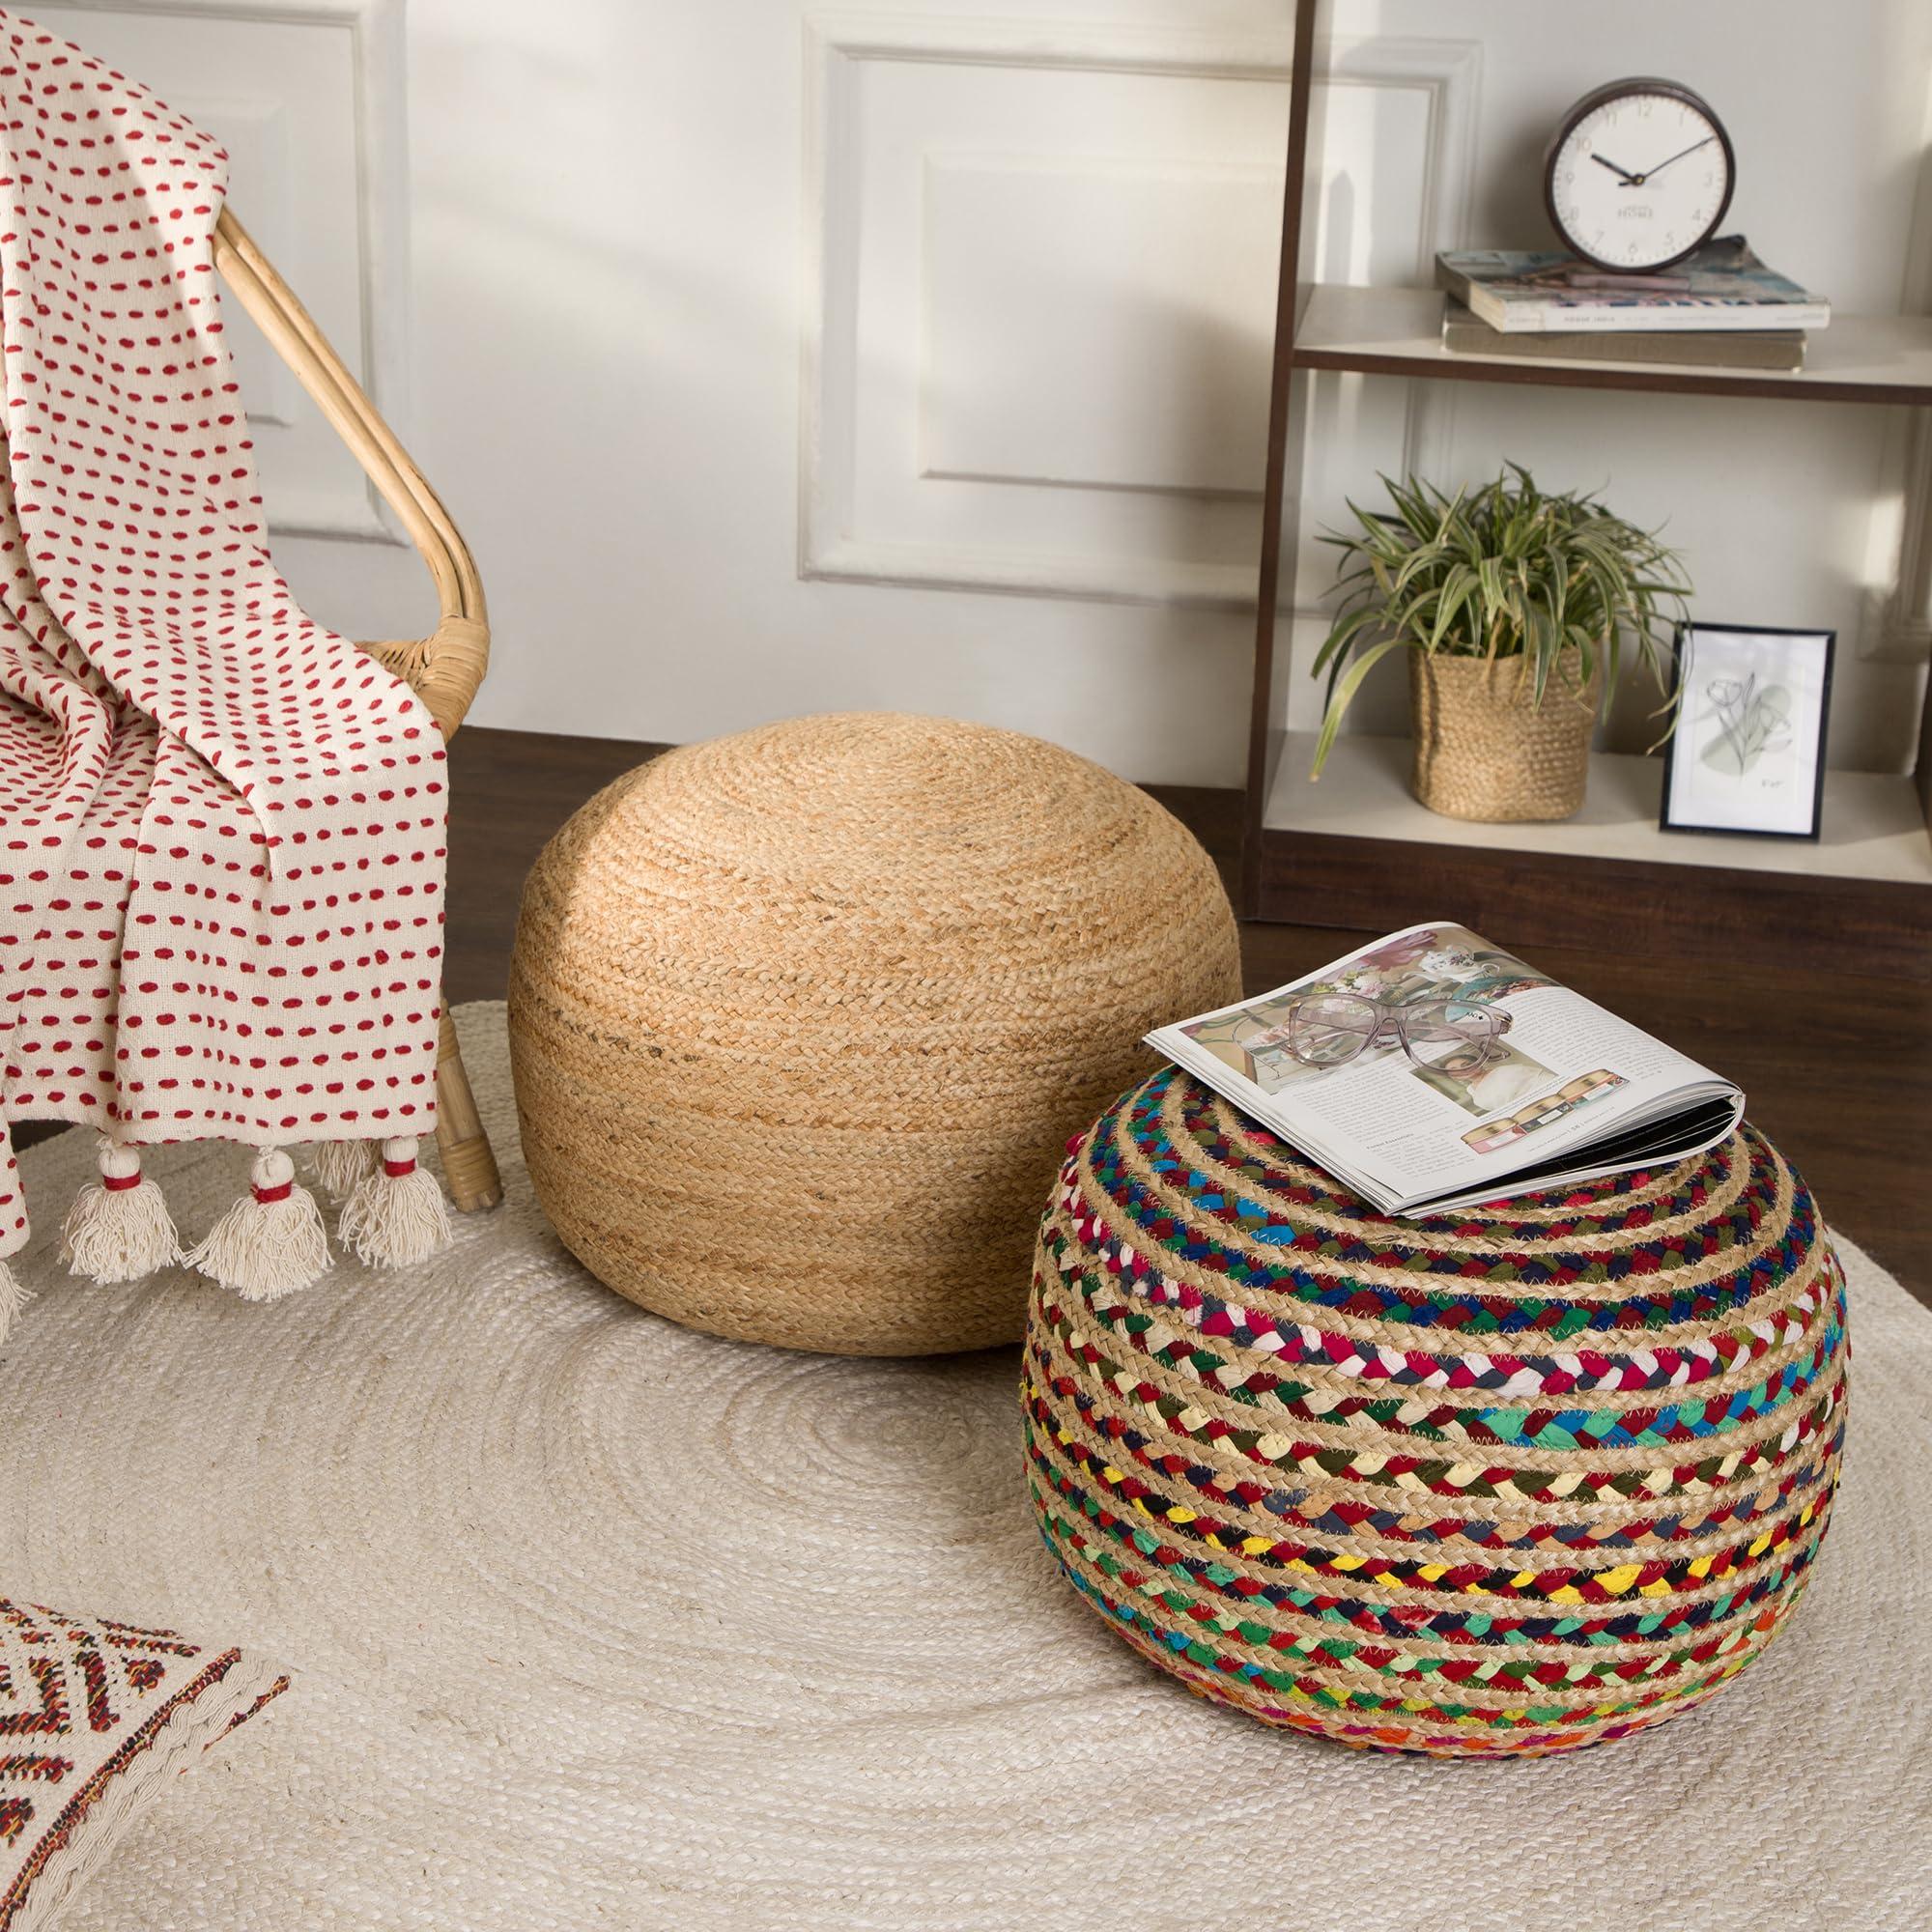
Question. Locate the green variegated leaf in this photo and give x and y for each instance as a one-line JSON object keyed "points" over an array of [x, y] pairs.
{"points": [[1341, 693]]}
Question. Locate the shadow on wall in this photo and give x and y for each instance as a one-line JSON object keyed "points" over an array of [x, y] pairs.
{"points": [[660, 386], [610, 359]]}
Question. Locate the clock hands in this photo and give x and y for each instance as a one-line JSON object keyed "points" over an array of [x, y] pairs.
{"points": [[1678, 157], [1629, 180]]}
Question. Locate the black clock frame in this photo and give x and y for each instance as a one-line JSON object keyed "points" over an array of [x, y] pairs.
{"points": [[1673, 90]]}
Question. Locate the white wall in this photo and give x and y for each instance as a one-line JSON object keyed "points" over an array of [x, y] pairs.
{"points": [[739, 335]]}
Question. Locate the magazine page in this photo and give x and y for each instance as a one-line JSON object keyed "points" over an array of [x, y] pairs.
{"points": [[1447, 1114]]}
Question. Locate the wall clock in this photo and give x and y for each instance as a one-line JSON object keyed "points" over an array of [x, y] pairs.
{"points": [[1638, 174]]}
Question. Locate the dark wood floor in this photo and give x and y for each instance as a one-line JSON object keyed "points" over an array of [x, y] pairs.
{"points": [[1839, 1068]]}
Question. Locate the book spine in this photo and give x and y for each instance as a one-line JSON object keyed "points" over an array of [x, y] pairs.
{"points": [[1687, 317], [1715, 348]]}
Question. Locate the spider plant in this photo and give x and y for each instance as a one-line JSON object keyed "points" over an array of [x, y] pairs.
{"points": [[1504, 571]]}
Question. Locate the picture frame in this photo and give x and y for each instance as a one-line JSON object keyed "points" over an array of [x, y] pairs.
{"points": [[1747, 756]]}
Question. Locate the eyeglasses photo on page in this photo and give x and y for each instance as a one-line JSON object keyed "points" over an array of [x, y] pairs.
{"points": [[1453, 1037]]}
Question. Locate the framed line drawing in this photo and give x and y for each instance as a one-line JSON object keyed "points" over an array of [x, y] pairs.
{"points": [[1747, 755]]}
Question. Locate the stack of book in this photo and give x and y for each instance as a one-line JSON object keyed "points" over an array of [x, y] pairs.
{"points": [[1720, 307]]}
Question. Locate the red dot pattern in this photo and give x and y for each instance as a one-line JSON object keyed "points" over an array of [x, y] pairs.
{"points": [[221, 826]]}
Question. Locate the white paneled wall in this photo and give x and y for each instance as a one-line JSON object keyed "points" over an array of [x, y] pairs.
{"points": [[776, 358], [1034, 292]]}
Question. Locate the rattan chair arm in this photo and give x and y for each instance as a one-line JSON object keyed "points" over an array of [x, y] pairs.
{"points": [[443, 668], [446, 666]]}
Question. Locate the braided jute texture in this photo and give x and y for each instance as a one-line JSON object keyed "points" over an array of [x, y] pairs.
{"points": [[600, 1625], [1484, 750], [1532, 1477], [802, 1019]]}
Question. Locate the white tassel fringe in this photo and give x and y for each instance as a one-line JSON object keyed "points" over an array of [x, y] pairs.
{"points": [[119, 1227], [396, 1214], [339, 1165], [13, 1298], [272, 1241]]}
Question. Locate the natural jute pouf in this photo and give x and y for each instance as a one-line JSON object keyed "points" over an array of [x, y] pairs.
{"points": [[802, 1019], [1510, 1482], [1484, 750]]}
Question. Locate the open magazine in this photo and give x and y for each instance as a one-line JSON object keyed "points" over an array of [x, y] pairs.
{"points": [[1431, 1070]]}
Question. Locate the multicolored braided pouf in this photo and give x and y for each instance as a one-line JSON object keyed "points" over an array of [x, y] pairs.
{"points": [[1510, 1480]]}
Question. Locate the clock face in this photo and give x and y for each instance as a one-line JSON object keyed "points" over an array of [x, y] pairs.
{"points": [[1640, 175]]}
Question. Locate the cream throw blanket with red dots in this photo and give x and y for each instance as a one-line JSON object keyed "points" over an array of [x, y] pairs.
{"points": [[221, 882]]}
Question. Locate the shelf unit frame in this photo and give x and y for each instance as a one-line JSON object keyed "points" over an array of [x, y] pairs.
{"points": [[1703, 908]]}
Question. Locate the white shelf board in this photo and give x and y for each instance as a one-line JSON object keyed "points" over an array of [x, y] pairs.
{"points": [[1872, 825], [1876, 351]]}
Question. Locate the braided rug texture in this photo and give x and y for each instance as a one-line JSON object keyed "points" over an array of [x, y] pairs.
{"points": [[1519, 1480], [803, 1017], [599, 1623]]}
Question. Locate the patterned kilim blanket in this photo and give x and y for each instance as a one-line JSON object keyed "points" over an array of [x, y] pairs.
{"points": [[221, 826], [98, 1720]]}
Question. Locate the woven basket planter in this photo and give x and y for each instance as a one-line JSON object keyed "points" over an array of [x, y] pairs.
{"points": [[1484, 750], [1514, 1482], [801, 1019]]}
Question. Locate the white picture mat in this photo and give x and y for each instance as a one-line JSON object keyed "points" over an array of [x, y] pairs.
{"points": [[1734, 682]]}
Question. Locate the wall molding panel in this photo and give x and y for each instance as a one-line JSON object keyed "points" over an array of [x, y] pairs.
{"points": [[1898, 618], [1035, 361]]}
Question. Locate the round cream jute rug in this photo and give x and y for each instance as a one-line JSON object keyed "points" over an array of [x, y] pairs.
{"points": [[598, 1623]]}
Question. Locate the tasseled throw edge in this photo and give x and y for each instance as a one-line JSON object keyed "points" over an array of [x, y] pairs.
{"points": [[119, 1227], [339, 1165], [12, 1298], [396, 1214], [272, 1241]]}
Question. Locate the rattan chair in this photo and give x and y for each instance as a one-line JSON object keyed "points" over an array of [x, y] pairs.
{"points": [[443, 668]]}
